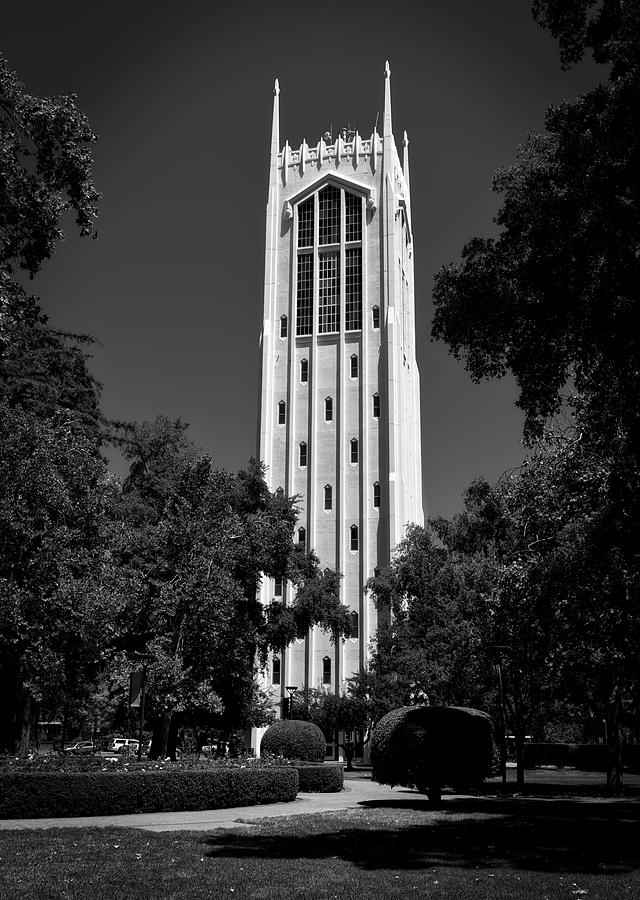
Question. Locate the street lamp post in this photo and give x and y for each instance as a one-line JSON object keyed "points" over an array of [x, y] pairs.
{"points": [[292, 688], [145, 659]]}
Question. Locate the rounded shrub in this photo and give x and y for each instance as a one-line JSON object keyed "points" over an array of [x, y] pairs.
{"points": [[294, 739], [430, 746]]}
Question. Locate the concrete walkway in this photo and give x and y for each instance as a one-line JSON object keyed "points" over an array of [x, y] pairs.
{"points": [[356, 791]]}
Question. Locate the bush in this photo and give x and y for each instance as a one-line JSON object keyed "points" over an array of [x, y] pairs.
{"points": [[430, 746], [27, 795], [326, 778], [294, 739], [548, 755]]}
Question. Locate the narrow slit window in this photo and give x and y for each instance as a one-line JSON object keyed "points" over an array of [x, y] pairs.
{"points": [[277, 588], [375, 317], [326, 670], [304, 370], [328, 496], [275, 670], [279, 493], [328, 409], [302, 537], [376, 493], [354, 366], [375, 406], [283, 326], [302, 454], [354, 625], [355, 450], [282, 413], [354, 538]]}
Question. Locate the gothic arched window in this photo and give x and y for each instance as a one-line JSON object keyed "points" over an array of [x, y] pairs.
{"points": [[375, 406], [354, 450], [376, 493], [354, 366], [275, 670], [326, 670], [283, 326], [304, 370], [354, 538], [302, 536], [328, 409], [328, 496], [302, 454], [282, 413]]}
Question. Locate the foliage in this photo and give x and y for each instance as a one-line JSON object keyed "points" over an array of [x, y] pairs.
{"points": [[194, 545], [121, 792], [294, 739], [429, 746], [56, 607], [45, 161], [325, 778]]}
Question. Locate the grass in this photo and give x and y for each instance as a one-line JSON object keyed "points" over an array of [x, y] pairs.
{"points": [[475, 847]]}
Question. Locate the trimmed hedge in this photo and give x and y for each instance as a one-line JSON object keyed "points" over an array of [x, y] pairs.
{"points": [[25, 796], [587, 757], [294, 739], [326, 778], [559, 755], [430, 746]]}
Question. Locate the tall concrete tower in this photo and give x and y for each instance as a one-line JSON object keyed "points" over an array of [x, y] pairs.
{"points": [[340, 398]]}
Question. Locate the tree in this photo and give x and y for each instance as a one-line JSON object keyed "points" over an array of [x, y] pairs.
{"points": [[194, 545], [554, 300], [46, 164], [55, 606], [337, 715]]}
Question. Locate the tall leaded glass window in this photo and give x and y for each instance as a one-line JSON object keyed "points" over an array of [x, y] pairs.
{"points": [[353, 217], [329, 291], [305, 223], [353, 289], [304, 317], [321, 258], [329, 222]]}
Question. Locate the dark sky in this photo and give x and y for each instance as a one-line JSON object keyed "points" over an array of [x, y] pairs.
{"points": [[180, 95]]}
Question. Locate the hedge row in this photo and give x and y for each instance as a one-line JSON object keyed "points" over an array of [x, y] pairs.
{"points": [[24, 796], [325, 778], [588, 757]]}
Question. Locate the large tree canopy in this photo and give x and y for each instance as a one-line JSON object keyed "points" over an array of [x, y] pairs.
{"points": [[554, 298]]}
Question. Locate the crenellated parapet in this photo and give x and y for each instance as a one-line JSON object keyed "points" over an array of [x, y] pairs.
{"points": [[355, 152]]}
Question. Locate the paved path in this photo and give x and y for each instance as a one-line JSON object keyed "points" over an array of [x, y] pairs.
{"points": [[356, 791]]}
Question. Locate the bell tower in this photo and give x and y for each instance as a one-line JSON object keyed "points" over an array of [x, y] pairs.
{"points": [[339, 419]]}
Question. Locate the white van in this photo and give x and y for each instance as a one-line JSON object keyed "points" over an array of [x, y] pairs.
{"points": [[118, 744]]}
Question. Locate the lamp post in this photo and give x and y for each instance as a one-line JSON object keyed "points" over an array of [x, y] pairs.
{"points": [[145, 659], [499, 649], [292, 688]]}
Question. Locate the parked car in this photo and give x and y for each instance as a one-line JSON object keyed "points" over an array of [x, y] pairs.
{"points": [[79, 748], [129, 745]]}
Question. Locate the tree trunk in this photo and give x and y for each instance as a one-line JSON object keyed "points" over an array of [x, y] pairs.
{"points": [[29, 716], [614, 747], [434, 793], [160, 739]]}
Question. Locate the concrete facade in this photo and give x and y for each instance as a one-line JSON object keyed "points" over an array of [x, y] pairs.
{"points": [[339, 367]]}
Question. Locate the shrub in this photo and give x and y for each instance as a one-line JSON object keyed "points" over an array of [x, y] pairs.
{"points": [[294, 739], [430, 746], [26, 795], [325, 778], [548, 755]]}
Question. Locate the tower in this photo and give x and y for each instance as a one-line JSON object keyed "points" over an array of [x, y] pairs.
{"points": [[339, 419]]}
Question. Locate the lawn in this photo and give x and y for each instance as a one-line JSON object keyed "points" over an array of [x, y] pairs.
{"points": [[472, 848]]}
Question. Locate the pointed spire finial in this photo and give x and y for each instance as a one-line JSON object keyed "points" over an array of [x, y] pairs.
{"points": [[386, 124], [405, 140], [276, 87]]}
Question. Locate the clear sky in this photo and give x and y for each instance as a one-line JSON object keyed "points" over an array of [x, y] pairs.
{"points": [[180, 95]]}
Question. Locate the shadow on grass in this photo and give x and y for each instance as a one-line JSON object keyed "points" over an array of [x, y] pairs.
{"points": [[467, 832]]}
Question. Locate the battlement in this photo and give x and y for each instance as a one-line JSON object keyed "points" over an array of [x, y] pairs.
{"points": [[354, 149]]}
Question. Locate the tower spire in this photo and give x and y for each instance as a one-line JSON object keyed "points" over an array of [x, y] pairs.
{"points": [[405, 160], [275, 131], [386, 124]]}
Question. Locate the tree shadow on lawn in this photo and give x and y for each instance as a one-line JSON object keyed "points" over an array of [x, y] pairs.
{"points": [[466, 832]]}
